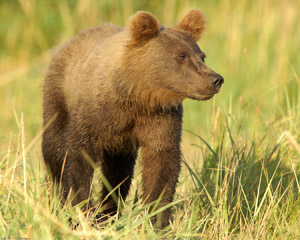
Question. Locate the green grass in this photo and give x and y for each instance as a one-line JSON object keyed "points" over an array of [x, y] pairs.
{"points": [[240, 175]]}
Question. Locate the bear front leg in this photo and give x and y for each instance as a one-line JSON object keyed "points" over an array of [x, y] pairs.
{"points": [[161, 168], [117, 168], [159, 136]]}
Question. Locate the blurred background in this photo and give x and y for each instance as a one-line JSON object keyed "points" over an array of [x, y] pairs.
{"points": [[254, 45], [240, 172]]}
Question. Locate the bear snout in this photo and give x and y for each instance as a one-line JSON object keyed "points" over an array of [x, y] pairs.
{"points": [[216, 81]]}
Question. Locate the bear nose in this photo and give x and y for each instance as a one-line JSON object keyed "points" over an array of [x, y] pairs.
{"points": [[217, 81]]}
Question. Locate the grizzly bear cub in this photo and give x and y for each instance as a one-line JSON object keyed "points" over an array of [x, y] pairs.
{"points": [[110, 91]]}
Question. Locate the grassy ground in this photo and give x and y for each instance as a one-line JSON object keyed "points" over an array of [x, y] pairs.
{"points": [[241, 171]]}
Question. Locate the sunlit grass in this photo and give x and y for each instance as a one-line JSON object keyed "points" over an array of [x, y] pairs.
{"points": [[240, 176]]}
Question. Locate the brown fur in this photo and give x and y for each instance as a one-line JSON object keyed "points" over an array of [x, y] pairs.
{"points": [[112, 91], [143, 27], [193, 23]]}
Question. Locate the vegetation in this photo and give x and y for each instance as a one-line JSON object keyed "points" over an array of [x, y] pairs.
{"points": [[241, 170]]}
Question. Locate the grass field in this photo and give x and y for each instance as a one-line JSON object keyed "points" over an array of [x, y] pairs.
{"points": [[241, 170]]}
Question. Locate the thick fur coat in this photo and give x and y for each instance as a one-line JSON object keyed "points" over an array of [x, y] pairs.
{"points": [[110, 91]]}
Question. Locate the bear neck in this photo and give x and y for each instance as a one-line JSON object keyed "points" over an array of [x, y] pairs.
{"points": [[139, 86], [138, 93]]}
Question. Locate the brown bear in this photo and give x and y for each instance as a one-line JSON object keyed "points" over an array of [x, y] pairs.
{"points": [[110, 91]]}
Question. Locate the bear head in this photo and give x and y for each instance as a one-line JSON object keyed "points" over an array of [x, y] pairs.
{"points": [[167, 61]]}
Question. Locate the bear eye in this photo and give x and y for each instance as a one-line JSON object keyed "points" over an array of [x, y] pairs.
{"points": [[181, 58], [202, 56]]}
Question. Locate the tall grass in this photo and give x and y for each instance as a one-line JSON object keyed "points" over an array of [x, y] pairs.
{"points": [[240, 175]]}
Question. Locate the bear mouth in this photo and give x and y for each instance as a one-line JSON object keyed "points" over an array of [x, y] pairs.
{"points": [[201, 97], [194, 95]]}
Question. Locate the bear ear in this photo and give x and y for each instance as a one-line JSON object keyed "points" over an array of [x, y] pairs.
{"points": [[143, 26], [194, 23]]}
